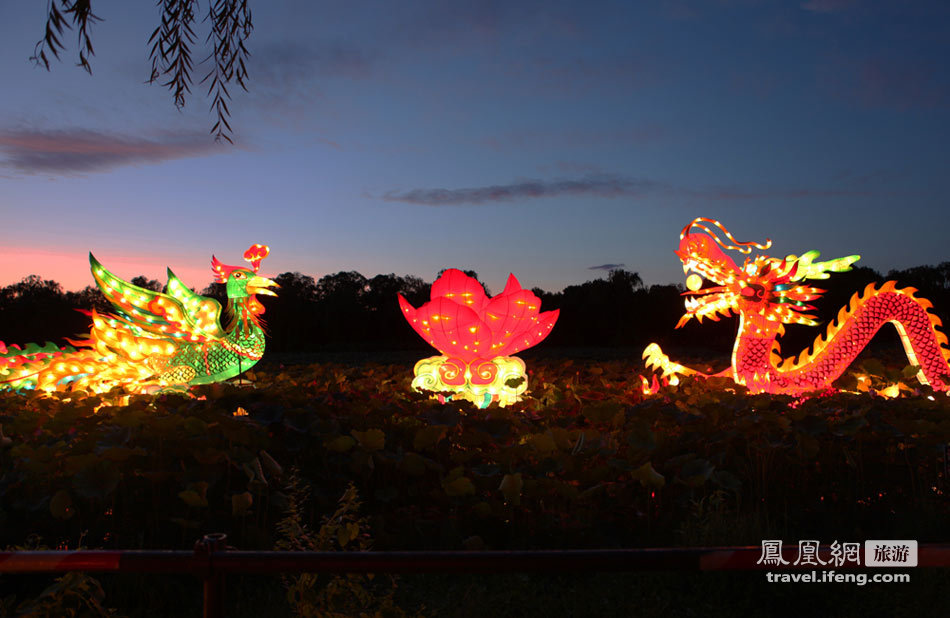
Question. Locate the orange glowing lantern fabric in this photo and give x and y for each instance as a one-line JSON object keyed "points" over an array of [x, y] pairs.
{"points": [[767, 293], [477, 337], [153, 341]]}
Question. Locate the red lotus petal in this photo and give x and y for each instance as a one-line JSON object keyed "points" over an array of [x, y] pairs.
{"points": [[454, 329], [459, 287], [511, 310], [409, 312], [512, 285], [536, 329], [462, 322]]}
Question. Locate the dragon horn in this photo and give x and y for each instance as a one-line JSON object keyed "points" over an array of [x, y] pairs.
{"points": [[741, 247]]}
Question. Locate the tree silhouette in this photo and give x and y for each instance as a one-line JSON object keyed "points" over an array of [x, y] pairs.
{"points": [[87, 299], [148, 284], [289, 317], [597, 312], [30, 306], [347, 309]]}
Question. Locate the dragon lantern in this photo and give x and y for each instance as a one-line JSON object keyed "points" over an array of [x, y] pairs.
{"points": [[477, 336], [154, 341], [767, 293]]}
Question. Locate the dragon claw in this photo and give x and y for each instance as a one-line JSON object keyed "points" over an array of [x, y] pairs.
{"points": [[655, 358]]}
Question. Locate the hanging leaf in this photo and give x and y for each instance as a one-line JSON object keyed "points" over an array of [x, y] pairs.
{"points": [[648, 476], [272, 468], [192, 498], [428, 437], [240, 503], [695, 472], [413, 464], [511, 486], [340, 444], [370, 440], [97, 480], [542, 442]]}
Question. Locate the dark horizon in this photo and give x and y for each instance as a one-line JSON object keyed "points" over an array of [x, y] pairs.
{"points": [[346, 310], [943, 266]]}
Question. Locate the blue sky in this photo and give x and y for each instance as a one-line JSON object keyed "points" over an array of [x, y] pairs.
{"points": [[539, 138]]}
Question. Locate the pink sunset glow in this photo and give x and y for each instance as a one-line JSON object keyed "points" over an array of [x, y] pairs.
{"points": [[71, 268]]}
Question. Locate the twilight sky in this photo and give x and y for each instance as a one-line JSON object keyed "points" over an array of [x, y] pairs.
{"points": [[542, 138]]}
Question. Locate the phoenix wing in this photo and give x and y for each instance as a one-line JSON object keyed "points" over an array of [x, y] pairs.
{"points": [[179, 314]]}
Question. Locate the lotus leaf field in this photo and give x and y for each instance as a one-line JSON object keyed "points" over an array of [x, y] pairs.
{"points": [[586, 460]]}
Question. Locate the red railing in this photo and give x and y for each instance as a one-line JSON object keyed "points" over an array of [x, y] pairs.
{"points": [[211, 561]]}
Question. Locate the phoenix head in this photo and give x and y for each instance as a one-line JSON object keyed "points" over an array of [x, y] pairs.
{"points": [[241, 281]]}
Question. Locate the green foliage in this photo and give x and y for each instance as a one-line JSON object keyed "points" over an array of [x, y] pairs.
{"points": [[332, 596], [584, 461], [74, 594]]}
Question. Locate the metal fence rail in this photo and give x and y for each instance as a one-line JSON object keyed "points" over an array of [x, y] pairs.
{"points": [[211, 561]]}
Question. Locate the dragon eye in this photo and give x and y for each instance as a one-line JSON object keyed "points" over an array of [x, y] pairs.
{"points": [[753, 291]]}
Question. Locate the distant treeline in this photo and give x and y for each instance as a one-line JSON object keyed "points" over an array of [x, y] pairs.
{"points": [[348, 309]]}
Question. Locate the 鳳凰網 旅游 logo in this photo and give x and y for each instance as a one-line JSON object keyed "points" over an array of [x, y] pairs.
{"points": [[890, 553]]}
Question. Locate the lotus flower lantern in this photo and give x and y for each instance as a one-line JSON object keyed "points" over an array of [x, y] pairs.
{"points": [[477, 337]]}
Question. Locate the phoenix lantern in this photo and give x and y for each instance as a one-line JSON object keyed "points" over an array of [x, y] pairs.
{"points": [[153, 341]]}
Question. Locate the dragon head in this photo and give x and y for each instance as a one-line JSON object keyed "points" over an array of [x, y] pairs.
{"points": [[765, 288], [242, 282]]}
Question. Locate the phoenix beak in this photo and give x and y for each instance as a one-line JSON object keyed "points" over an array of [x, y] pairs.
{"points": [[259, 285]]}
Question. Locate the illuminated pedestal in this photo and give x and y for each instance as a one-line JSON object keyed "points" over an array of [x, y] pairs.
{"points": [[501, 380]]}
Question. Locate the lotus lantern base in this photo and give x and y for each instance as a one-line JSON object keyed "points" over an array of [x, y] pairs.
{"points": [[482, 381]]}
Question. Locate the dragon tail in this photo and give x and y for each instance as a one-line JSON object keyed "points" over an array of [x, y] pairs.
{"points": [[919, 330]]}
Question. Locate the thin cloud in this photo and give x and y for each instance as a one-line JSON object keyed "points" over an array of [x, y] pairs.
{"points": [[606, 267], [607, 186], [80, 151], [595, 186]]}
